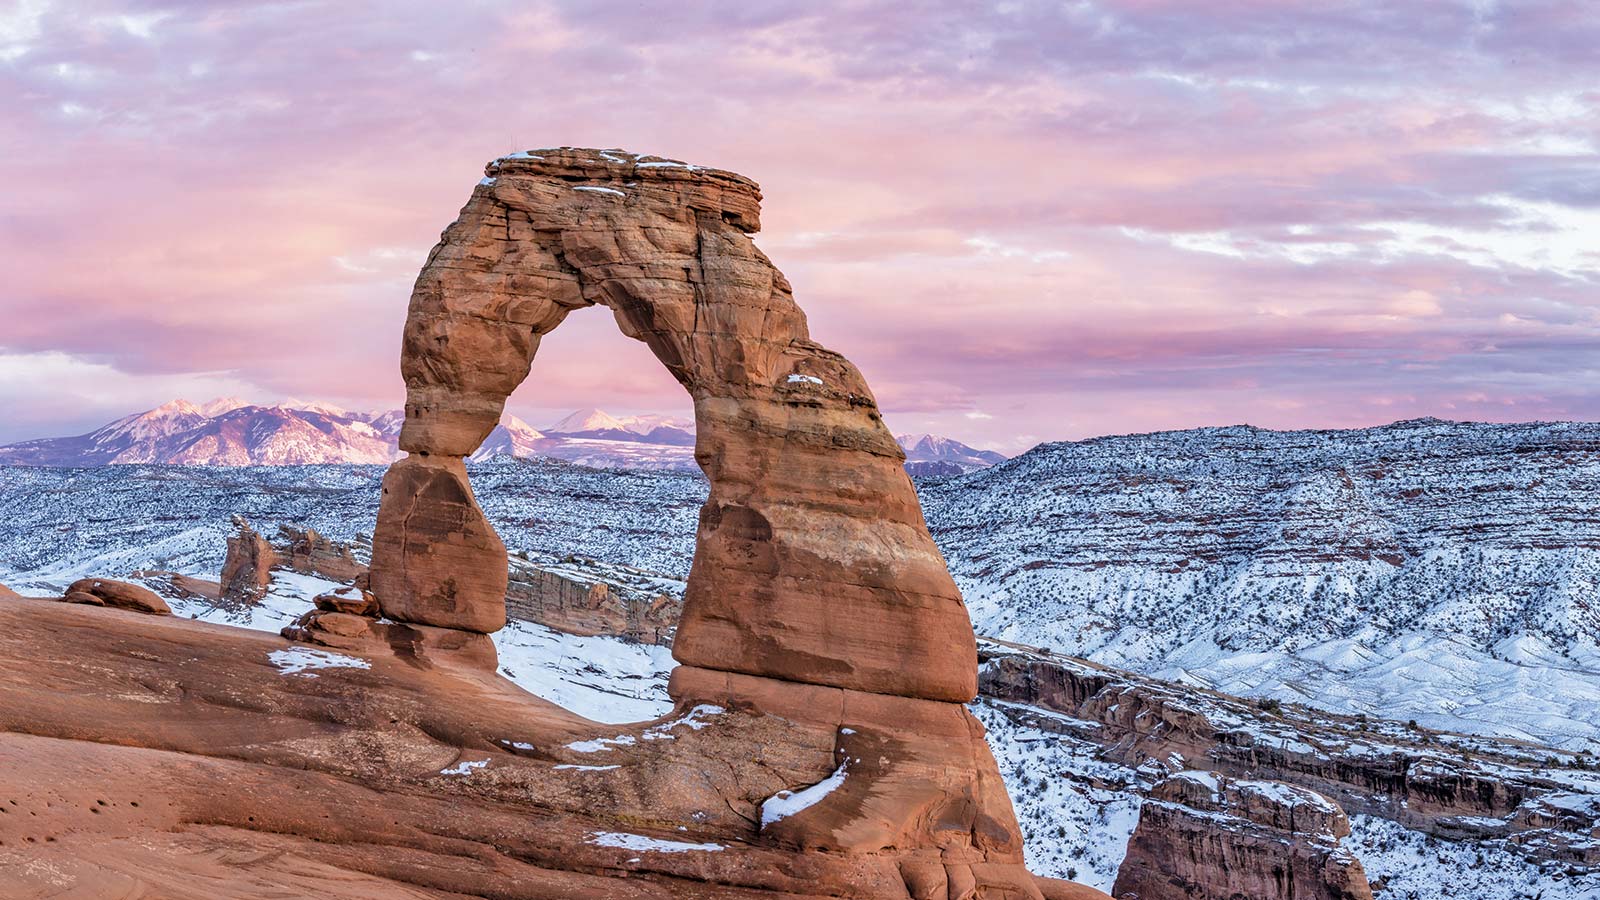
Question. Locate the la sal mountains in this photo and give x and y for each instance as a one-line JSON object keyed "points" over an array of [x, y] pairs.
{"points": [[233, 432]]}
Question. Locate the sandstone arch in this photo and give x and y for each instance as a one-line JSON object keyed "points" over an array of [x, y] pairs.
{"points": [[818, 747], [812, 562]]}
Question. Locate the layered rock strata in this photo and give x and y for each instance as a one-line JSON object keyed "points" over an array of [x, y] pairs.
{"points": [[1455, 787], [311, 553], [579, 597], [1202, 836]]}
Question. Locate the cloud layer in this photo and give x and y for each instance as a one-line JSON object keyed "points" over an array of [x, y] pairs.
{"points": [[1031, 221]]}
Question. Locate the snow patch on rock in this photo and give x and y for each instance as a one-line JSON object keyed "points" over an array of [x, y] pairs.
{"points": [[784, 804], [301, 660], [622, 840]]}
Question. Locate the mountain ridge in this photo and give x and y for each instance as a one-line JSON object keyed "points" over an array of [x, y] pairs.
{"points": [[234, 432]]}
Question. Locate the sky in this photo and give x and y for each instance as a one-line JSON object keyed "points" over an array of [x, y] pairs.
{"points": [[1022, 221]]}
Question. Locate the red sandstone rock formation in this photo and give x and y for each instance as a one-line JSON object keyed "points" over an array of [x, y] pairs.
{"points": [[118, 594], [350, 599], [812, 561], [578, 600], [259, 767], [247, 567], [309, 552], [7, 593], [1202, 836], [435, 559], [816, 597]]}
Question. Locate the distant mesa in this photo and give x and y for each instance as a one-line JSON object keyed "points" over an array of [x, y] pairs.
{"points": [[229, 431]]}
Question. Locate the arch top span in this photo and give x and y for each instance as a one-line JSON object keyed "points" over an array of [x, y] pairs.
{"points": [[812, 560]]}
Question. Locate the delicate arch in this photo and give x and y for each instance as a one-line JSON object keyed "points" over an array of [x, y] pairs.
{"points": [[812, 561]]}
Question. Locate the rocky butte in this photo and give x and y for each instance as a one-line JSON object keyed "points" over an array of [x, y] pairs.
{"points": [[820, 746]]}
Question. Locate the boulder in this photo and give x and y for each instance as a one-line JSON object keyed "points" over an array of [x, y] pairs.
{"points": [[118, 594], [348, 599], [333, 629]]}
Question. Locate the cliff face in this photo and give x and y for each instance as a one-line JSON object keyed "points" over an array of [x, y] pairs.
{"points": [[1541, 803], [579, 596], [1202, 836]]}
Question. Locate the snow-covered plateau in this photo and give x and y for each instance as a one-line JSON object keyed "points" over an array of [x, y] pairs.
{"points": [[1437, 571]]}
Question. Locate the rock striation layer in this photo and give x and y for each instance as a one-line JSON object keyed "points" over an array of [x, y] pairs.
{"points": [[579, 596], [1202, 836], [1539, 803]]}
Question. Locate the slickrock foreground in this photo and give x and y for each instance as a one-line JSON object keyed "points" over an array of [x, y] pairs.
{"points": [[820, 746]]}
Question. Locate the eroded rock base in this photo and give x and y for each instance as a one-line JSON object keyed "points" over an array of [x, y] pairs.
{"points": [[178, 758]]}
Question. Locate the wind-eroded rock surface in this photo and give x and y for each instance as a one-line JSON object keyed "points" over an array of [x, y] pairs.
{"points": [[812, 561]]}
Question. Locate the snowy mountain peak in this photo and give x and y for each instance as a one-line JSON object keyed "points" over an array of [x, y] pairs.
{"points": [[152, 424], [521, 429], [588, 420], [220, 405], [598, 421], [931, 454], [316, 406]]}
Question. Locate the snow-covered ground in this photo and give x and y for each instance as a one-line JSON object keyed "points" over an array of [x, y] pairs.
{"points": [[1440, 572], [1071, 828], [1079, 831], [1436, 571], [600, 678], [1414, 866], [1076, 809]]}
